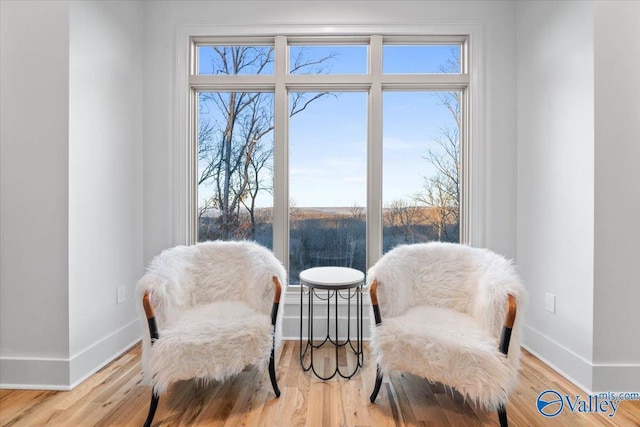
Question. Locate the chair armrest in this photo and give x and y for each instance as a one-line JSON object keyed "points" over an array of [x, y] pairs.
{"points": [[509, 320], [151, 318], [148, 307], [511, 311], [278, 292], [373, 293], [276, 300]]}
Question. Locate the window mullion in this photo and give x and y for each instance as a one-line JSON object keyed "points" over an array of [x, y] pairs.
{"points": [[465, 175], [425, 81], [281, 155], [374, 154], [192, 169], [258, 83]]}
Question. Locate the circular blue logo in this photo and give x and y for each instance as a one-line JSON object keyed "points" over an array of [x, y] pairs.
{"points": [[550, 403]]}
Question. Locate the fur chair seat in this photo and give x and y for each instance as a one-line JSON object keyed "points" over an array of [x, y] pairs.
{"points": [[211, 342], [212, 304], [441, 314], [449, 347]]}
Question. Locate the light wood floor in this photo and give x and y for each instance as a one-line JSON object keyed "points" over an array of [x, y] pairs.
{"points": [[113, 397]]}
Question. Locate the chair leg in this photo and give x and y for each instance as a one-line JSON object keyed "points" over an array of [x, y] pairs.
{"points": [[152, 408], [272, 374], [376, 388], [502, 416]]}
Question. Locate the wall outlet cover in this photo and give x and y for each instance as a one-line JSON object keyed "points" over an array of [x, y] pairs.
{"points": [[120, 294], [550, 302]]}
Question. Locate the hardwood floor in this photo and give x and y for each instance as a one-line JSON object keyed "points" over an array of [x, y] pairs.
{"points": [[114, 397]]}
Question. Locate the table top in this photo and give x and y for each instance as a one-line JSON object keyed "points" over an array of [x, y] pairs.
{"points": [[332, 277]]}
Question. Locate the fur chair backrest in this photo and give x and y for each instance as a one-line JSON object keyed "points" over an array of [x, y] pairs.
{"points": [[185, 276], [455, 276]]}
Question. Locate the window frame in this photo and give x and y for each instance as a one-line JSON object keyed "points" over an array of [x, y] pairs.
{"points": [[184, 197]]}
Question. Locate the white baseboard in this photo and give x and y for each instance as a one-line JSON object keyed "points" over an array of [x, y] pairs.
{"points": [[589, 377], [291, 319], [561, 359], [616, 378], [37, 373], [291, 328], [93, 358], [34, 373]]}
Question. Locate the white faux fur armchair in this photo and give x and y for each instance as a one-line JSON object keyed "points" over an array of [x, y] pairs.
{"points": [[211, 309], [447, 312]]}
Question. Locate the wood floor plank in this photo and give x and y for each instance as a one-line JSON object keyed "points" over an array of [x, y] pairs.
{"points": [[14, 405], [114, 396]]}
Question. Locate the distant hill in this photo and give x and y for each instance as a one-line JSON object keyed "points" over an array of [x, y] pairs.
{"points": [[337, 210], [309, 212]]}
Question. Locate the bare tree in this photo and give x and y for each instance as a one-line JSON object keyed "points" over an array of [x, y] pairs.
{"points": [[206, 132], [234, 153], [402, 217], [357, 212], [441, 191]]}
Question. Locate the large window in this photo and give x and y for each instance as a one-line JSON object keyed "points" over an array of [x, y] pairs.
{"points": [[235, 160], [327, 182], [329, 150], [421, 164]]}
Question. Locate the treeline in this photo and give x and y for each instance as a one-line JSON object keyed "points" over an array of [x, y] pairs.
{"points": [[338, 240]]}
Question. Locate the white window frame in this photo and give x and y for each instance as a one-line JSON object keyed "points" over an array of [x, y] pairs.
{"points": [[470, 81]]}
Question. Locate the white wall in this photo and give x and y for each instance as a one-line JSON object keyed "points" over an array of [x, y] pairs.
{"points": [[555, 179], [578, 205], [105, 179], [71, 187], [162, 23], [616, 351], [34, 94]]}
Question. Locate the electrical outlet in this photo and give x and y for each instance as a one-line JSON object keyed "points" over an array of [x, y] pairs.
{"points": [[120, 294], [550, 302]]}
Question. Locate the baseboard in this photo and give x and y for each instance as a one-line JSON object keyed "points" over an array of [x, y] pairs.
{"points": [[564, 361], [93, 358], [291, 327], [291, 319], [34, 373], [589, 377], [292, 296], [616, 378], [37, 373]]}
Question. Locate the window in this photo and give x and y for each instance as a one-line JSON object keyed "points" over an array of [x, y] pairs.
{"points": [[329, 150], [421, 163], [234, 60], [328, 59], [235, 160], [327, 181], [421, 59]]}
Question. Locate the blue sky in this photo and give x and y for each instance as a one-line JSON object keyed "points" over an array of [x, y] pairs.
{"points": [[327, 141], [327, 154]]}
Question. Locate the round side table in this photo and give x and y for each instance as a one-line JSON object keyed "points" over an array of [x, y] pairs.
{"points": [[332, 284]]}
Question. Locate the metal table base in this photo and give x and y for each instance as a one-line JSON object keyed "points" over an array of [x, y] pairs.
{"points": [[307, 347]]}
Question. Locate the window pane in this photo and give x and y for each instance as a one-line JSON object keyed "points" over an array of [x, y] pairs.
{"points": [[235, 164], [328, 59], [421, 167], [327, 181], [227, 60], [421, 59]]}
